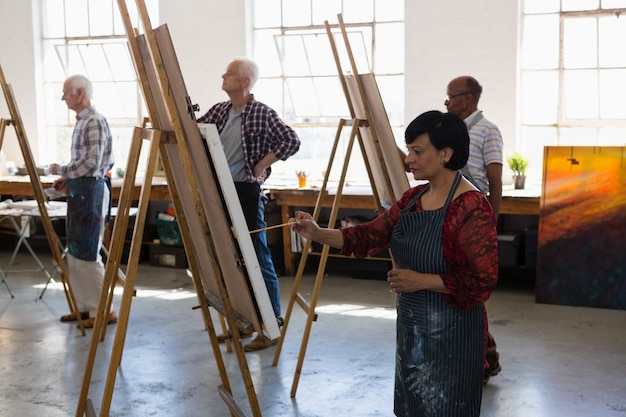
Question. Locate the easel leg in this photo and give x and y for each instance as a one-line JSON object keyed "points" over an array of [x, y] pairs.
{"points": [[111, 270]]}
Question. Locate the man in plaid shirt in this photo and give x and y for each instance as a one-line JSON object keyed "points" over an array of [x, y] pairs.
{"points": [[253, 137], [88, 198]]}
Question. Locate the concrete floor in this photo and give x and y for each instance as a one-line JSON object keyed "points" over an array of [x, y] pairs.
{"points": [[557, 360]]}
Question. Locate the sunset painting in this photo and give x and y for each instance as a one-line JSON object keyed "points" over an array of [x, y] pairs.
{"points": [[581, 254]]}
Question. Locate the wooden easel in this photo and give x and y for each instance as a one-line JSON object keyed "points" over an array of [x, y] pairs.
{"points": [[369, 124], [29, 161], [222, 260]]}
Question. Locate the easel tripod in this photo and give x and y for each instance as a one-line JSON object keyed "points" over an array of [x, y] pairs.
{"points": [[29, 161], [369, 124], [222, 261]]}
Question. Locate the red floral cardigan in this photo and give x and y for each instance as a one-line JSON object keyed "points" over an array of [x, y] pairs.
{"points": [[469, 240]]}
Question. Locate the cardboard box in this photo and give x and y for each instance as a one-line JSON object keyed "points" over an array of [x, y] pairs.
{"points": [[170, 256]]}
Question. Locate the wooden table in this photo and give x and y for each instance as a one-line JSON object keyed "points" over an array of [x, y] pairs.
{"points": [[20, 185], [522, 202]]}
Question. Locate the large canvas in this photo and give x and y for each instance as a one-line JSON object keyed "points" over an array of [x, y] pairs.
{"points": [[229, 236], [581, 256]]}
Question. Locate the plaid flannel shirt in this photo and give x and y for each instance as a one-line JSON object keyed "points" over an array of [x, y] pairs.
{"points": [[262, 132], [92, 147]]}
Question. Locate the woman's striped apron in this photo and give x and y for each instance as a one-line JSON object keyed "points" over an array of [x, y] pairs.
{"points": [[440, 349]]}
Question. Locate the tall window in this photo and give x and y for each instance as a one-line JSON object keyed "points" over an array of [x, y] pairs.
{"points": [[573, 75], [88, 37], [299, 76]]}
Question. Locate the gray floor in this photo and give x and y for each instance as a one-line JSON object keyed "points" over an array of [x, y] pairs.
{"points": [[557, 360]]}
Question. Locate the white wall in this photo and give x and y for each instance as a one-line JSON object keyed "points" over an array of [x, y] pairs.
{"points": [[17, 58], [207, 35], [448, 38], [444, 39]]}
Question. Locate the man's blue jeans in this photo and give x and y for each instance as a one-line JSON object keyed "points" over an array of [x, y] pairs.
{"points": [[265, 259]]}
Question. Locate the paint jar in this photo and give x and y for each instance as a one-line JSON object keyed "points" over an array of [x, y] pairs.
{"points": [[302, 176]]}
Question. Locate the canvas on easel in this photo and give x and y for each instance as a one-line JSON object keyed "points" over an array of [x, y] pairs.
{"points": [[222, 260], [35, 181], [369, 125]]}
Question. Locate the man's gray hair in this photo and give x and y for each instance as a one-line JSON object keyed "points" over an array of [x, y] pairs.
{"points": [[248, 69], [80, 81]]}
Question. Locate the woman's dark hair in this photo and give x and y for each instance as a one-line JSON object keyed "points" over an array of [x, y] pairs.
{"points": [[445, 130]]}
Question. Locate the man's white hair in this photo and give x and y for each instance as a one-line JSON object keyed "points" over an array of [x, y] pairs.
{"points": [[248, 69], [80, 81]]}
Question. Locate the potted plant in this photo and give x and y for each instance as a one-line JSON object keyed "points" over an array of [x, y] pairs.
{"points": [[518, 164]]}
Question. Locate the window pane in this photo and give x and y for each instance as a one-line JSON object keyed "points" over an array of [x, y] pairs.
{"points": [[317, 99], [265, 53], [612, 136], [71, 59], [319, 54], [153, 13], [389, 57], [331, 97], [121, 147], [361, 45], [294, 56], [539, 97], [59, 143], [119, 60], [541, 6], [76, 18], [53, 69], [306, 86], [97, 65], [358, 11], [389, 10], [266, 13], [579, 136], [54, 23], [116, 101], [297, 12], [118, 25], [101, 60], [533, 141], [303, 96], [270, 92], [580, 94], [540, 43], [613, 4], [612, 42], [325, 10], [571, 5], [612, 93], [57, 113], [580, 43], [101, 17]]}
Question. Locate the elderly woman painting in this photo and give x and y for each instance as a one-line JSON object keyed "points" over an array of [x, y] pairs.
{"points": [[443, 238]]}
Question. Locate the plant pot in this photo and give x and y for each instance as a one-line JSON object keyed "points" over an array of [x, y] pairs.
{"points": [[519, 181]]}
